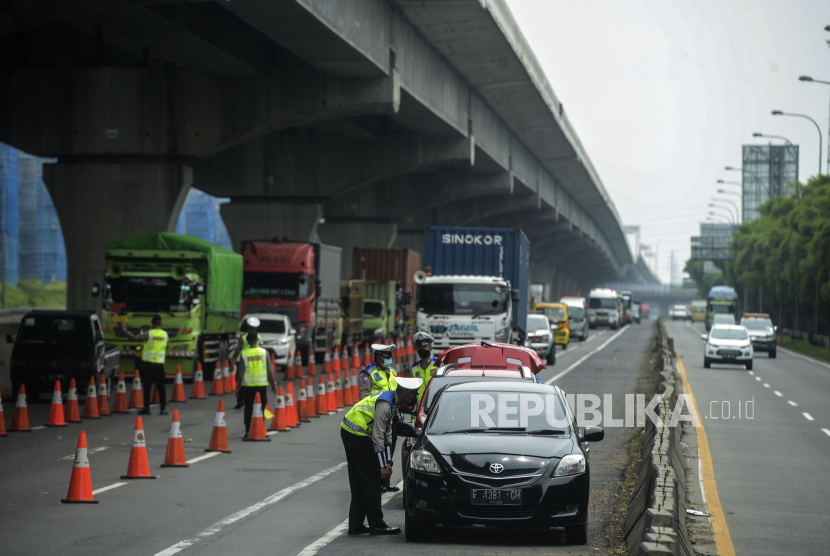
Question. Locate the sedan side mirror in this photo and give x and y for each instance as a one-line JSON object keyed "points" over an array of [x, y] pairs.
{"points": [[593, 434], [775, 328], [405, 430], [9, 339], [515, 296], [704, 337]]}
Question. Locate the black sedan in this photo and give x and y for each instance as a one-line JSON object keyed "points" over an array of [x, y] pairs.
{"points": [[504, 454]]}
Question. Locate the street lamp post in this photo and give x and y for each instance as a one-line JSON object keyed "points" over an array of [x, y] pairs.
{"points": [[723, 208], [726, 215], [727, 201], [820, 148], [758, 134], [712, 216], [725, 192], [811, 80], [739, 184]]}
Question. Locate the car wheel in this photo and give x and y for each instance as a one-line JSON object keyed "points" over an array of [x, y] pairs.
{"points": [[551, 358], [578, 534], [414, 531], [773, 354], [706, 363], [749, 366], [565, 345]]}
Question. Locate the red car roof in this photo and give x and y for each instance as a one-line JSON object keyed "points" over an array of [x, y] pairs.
{"points": [[495, 355]]}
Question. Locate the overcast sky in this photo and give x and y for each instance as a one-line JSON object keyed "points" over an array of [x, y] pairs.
{"points": [[663, 95]]}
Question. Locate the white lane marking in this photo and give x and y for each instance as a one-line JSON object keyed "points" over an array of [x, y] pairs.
{"points": [[777, 393], [758, 378], [700, 478], [766, 385], [808, 417], [271, 433], [312, 549], [752, 373], [826, 431], [586, 356], [40, 428], [804, 357], [204, 457], [106, 488], [241, 514], [792, 403], [90, 451]]}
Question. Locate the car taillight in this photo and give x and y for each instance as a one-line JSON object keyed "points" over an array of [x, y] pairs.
{"points": [[106, 330]]}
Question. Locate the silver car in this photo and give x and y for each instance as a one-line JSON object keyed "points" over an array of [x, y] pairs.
{"points": [[540, 337], [278, 336]]}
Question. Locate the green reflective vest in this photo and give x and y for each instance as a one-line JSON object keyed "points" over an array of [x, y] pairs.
{"points": [[256, 368], [246, 346], [381, 382], [155, 346], [425, 375], [361, 417]]}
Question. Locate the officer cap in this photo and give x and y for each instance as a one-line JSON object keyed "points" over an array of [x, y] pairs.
{"points": [[409, 383], [383, 348], [422, 338], [253, 322]]}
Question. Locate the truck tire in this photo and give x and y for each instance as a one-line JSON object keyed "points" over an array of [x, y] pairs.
{"points": [[551, 358]]}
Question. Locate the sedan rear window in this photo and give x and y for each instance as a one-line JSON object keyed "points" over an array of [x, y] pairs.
{"points": [[729, 334], [55, 330], [469, 412], [440, 382]]}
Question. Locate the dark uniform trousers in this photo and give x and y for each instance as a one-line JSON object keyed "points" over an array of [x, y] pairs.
{"points": [[248, 393], [152, 374], [364, 480]]}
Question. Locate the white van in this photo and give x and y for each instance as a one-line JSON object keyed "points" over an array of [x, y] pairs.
{"points": [[604, 308], [577, 316]]}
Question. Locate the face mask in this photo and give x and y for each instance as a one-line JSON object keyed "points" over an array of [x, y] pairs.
{"points": [[387, 362], [423, 353]]}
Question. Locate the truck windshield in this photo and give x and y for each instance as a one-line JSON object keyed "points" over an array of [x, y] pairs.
{"points": [[602, 303], [286, 285], [626, 299], [553, 313], [149, 294], [462, 299], [372, 309], [54, 330], [576, 313], [721, 307]]}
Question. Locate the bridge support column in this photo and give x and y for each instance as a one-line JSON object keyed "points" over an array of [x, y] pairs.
{"points": [[102, 202], [246, 221]]}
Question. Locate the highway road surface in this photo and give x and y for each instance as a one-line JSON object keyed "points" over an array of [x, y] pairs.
{"points": [[769, 438], [291, 496]]}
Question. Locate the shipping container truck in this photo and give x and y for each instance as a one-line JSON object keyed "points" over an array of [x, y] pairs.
{"points": [[300, 280], [474, 286], [398, 265], [195, 286]]}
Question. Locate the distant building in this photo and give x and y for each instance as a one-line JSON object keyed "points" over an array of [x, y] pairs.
{"points": [[767, 170], [200, 217]]}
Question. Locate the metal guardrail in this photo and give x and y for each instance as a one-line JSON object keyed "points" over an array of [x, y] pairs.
{"points": [[814, 339]]}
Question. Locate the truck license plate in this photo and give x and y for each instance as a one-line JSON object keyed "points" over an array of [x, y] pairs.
{"points": [[496, 497]]}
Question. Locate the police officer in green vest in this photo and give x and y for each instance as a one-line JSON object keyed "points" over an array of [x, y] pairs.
{"points": [[251, 324], [366, 431], [425, 368], [254, 366], [153, 353], [379, 376]]}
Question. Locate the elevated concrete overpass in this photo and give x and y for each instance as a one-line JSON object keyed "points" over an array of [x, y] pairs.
{"points": [[358, 122]]}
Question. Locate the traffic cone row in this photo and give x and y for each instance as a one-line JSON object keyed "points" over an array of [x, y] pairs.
{"points": [[279, 422], [217, 385], [338, 390], [198, 390], [178, 387]]}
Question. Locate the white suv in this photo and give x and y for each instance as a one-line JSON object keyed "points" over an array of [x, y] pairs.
{"points": [[728, 344]]}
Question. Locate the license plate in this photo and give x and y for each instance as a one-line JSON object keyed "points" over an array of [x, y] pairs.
{"points": [[482, 497], [729, 356]]}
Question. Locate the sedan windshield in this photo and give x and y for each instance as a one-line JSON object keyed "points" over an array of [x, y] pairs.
{"points": [[555, 314], [728, 334], [756, 324], [462, 299], [511, 412], [54, 330]]}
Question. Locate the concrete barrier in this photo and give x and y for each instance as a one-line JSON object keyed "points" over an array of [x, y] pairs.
{"points": [[656, 518]]}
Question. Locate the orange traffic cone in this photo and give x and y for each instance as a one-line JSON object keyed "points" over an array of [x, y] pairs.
{"points": [[20, 421], [138, 467], [219, 436], [175, 444], [198, 391], [367, 357], [347, 390], [409, 349], [355, 357], [298, 366], [291, 416], [120, 405], [344, 362], [327, 362], [256, 432], [56, 411], [338, 390], [156, 398], [312, 366], [80, 485], [73, 414], [309, 392], [178, 387], [280, 421], [289, 369], [302, 404], [331, 396], [232, 373], [322, 405], [136, 394], [103, 397], [91, 403], [217, 386], [335, 361], [355, 389], [2, 419], [226, 377]]}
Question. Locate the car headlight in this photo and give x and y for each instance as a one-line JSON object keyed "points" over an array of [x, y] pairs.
{"points": [[713, 346], [421, 460], [573, 464], [746, 346]]}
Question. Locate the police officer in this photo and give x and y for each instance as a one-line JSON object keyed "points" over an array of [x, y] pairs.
{"points": [[241, 345], [425, 368], [366, 431], [379, 376], [254, 365], [153, 354]]}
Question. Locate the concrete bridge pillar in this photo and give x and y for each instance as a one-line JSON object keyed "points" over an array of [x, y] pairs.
{"points": [[102, 202]]}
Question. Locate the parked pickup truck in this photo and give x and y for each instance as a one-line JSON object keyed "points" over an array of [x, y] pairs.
{"points": [[59, 345]]}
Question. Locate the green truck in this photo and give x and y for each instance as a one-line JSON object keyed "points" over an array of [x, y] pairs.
{"points": [[381, 314], [194, 285]]}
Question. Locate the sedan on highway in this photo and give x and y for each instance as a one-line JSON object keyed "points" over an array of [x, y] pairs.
{"points": [[500, 454], [680, 312], [761, 332], [540, 336], [277, 333], [729, 344]]}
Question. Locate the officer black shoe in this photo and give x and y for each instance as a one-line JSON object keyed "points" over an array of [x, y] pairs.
{"points": [[163, 412], [359, 530], [390, 488], [385, 530], [144, 412]]}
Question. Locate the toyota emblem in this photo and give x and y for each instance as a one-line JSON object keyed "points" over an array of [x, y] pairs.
{"points": [[496, 468]]}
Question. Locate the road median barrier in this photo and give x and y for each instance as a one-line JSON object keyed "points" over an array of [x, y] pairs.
{"points": [[656, 519]]}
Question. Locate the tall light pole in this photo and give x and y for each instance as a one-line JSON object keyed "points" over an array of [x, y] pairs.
{"points": [[820, 148], [739, 184], [758, 134], [811, 80], [727, 201], [725, 192], [722, 207], [726, 215]]}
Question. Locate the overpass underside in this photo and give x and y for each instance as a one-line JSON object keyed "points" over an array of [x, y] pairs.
{"points": [[353, 123]]}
